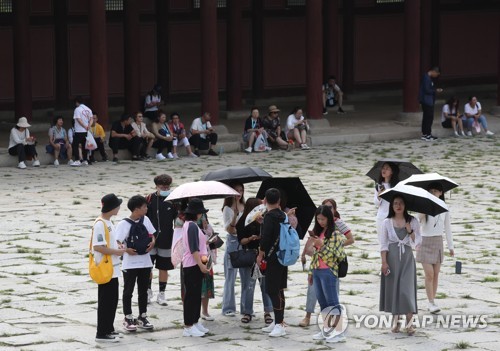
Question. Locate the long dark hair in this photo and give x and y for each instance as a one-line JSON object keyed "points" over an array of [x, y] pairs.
{"points": [[395, 175], [295, 109], [229, 201], [334, 204], [391, 214], [451, 101], [330, 225]]}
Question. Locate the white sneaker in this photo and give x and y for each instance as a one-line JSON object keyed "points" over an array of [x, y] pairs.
{"points": [[169, 155], [335, 339], [306, 147], [268, 148], [490, 133], [150, 296], [193, 155], [192, 331], [160, 299], [76, 164], [21, 165], [463, 133], [175, 155], [207, 317], [56, 163], [85, 163], [456, 134], [230, 314], [269, 328], [160, 157], [201, 327], [433, 308], [36, 163], [319, 336], [279, 330], [248, 150], [469, 133]]}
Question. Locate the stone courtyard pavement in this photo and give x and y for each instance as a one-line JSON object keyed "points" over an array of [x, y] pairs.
{"points": [[48, 302]]}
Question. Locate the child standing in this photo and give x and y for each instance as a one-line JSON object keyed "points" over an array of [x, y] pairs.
{"points": [[136, 266], [107, 294]]}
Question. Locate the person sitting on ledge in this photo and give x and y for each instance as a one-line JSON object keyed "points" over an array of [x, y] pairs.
{"points": [[22, 145], [203, 136], [123, 136]]}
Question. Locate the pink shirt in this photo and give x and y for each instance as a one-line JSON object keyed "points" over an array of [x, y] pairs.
{"points": [[187, 258], [322, 264]]}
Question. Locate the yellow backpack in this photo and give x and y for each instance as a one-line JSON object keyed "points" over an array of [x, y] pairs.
{"points": [[103, 272]]}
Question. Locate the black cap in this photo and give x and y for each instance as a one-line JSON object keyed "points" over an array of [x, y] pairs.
{"points": [[109, 202], [195, 206]]}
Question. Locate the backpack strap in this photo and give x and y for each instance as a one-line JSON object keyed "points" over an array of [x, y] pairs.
{"points": [[278, 238]]}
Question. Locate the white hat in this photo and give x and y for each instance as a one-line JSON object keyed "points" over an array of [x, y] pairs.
{"points": [[23, 123]]}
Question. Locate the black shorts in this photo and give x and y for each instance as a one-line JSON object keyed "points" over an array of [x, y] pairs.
{"points": [[446, 123], [162, 263]]}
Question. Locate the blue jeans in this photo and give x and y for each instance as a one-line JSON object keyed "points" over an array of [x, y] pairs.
{"points": [[481, 120], [228, 297], [247, 292], [311, 297], [325, 285]]}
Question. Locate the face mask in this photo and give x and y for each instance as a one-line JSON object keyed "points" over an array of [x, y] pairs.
{"points": [[165, 193]]}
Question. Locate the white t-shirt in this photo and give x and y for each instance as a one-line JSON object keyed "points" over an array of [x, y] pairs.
{"points": [[290, 122], [134, 261], [199, 126], [472, 111], [99, 238], [83, 113], [150, 99]]}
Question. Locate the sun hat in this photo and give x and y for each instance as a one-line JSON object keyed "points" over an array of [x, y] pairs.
{"points": [[23, 123], [109, 202], [273, 108], [195, 206]]}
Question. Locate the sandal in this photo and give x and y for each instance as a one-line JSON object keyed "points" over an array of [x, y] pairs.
{"points": [[267, 318], [305, 322], [410, 330], [396, 326], [247, 318]]}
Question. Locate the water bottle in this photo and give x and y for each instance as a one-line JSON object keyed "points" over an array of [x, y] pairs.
{"points": [[221, 150], [458, 267]]}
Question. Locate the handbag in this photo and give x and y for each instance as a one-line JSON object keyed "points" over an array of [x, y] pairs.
{"points": [[215, 242], [103, 272], [90, 143], [260, 143], [243, 258], [343, 266]]}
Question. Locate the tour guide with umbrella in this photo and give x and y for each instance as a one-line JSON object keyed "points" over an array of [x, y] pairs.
{"points": [[297, 196], [406, 168], [416, 199], [237, 174]]}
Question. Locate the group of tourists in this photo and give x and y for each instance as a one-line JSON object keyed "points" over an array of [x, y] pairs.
{"points": [[398, 234]]}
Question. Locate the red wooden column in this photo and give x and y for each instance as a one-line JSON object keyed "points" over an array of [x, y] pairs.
{"points": [[314, 49], [98, 61], [411, 65], [234, 93], [209, 69], [22, 62], [132, 59], [331, 38], [347, 81]]}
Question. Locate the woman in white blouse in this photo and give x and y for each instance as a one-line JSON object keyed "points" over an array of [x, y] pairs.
{"points": [[297, 127], [388, 178], [430, 253]]}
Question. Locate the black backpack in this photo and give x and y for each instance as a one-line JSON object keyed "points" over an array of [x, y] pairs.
{"points": [[138, 237]]}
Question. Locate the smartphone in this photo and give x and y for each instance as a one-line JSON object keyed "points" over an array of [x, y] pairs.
{"points": [[388, 272]]}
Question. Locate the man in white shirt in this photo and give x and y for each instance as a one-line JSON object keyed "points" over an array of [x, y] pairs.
{"points": [[475, 118], [203, 136], [83, 121]]}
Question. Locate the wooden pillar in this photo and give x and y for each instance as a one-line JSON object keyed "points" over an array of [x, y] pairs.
{"points": [[257, 48], [22, 61], [61, 47], [348, 53], [430, 34], [411, 65], [209, 69], [162, 44], [98, 58], [331, 38], [132, 53], [498, 60], [314, 49], [233, 84]]}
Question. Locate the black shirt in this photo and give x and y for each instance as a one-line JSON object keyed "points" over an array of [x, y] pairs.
{"points": [[118, 128], [162, 214]]}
